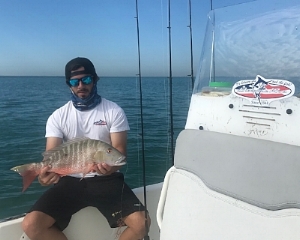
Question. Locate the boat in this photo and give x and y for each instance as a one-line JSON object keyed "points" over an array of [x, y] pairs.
{"points": [[236, 163]]}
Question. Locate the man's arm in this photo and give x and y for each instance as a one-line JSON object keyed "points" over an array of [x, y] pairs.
{"points": [[119, 141], [53, 142], [47, 178]]}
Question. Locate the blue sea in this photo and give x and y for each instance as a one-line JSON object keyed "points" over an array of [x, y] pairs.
{"points": [[27, 102]]}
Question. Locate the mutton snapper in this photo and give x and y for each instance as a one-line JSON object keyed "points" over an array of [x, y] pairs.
{"points": [[79, 155]]}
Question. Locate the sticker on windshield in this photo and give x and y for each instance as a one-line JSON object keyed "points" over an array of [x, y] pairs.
{"points": [[262, 91]]}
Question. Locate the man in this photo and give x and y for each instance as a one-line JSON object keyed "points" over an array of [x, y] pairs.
{"points": [[86, 115]]}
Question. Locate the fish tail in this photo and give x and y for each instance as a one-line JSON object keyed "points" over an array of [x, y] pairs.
{"points": [[28, 173]]}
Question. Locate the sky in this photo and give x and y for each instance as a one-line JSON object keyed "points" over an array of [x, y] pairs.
{"points": [[38, 37]]}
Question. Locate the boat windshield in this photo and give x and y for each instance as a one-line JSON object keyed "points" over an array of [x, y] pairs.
{"points": [[251, 39]]}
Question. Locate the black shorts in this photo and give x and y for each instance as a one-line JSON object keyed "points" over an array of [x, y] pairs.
{"points": [[110, 194]]}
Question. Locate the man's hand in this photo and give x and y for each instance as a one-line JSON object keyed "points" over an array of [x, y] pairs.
{"points": [[47, 178], [105, 169]]}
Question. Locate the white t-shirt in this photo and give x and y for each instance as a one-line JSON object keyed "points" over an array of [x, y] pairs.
{"points": [[67, 122]]}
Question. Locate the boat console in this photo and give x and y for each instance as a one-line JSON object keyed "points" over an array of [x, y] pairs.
{"points": [[236, 171]]}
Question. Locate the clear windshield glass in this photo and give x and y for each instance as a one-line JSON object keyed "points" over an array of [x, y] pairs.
{"points": [[251, 39]]}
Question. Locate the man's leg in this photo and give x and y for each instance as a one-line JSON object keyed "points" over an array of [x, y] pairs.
{"points": [[53, 210], [38, 225], [136, 226]]}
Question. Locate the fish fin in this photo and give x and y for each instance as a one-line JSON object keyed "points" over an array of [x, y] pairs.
{"points": [[89, 168], [28, 178]]}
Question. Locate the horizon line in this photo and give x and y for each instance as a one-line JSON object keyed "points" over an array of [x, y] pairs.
{"points": [[64, 76]]}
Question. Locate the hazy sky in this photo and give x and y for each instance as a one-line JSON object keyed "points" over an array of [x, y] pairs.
{"points": [[38, 37]]}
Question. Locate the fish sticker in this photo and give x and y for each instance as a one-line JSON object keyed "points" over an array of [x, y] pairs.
{"points": [[261, 91], [80, 155]]}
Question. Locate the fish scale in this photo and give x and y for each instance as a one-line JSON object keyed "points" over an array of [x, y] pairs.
{"points": [[76, 156]]}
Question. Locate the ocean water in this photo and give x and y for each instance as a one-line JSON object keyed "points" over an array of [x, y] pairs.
{"points": [[27, 102]]}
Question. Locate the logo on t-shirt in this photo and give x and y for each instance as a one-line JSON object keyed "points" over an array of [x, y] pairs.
{"points": [[100, 122]]}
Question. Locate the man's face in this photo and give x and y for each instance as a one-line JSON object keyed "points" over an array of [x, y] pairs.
{"points": [[82, 90]]}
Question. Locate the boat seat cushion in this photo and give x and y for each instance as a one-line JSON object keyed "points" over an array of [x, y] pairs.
{"points": [[260, 172]]}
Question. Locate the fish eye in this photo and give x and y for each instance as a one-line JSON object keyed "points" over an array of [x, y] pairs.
{"points": [[108, 150]]}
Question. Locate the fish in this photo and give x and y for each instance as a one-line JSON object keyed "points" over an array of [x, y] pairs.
{"points": [[79, 155]]}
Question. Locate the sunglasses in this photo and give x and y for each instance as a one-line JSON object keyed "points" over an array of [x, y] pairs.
{"points": [[75, 82]]}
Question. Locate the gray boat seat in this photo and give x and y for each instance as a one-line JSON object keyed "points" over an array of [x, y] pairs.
{"points": [[230, 187], [262, 173]]}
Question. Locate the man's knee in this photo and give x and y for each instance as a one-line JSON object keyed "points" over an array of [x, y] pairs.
{"points": [[138, 223], [29, 225], [35, 222]]}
